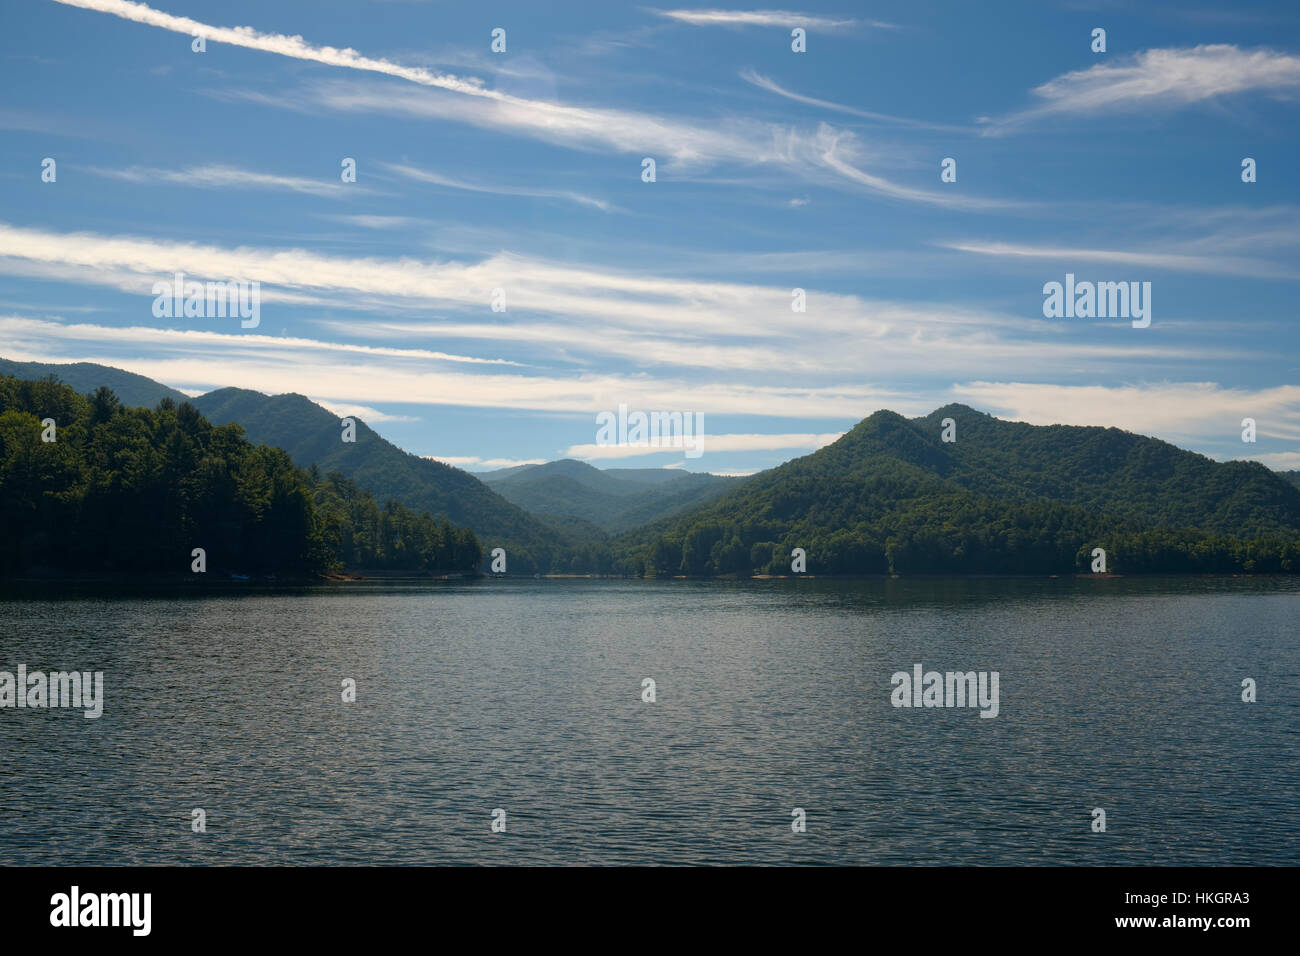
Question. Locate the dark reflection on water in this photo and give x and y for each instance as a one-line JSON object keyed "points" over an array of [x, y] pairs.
{"points": [[525, 695]]}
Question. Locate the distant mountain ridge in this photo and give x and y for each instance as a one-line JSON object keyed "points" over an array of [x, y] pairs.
{"points": [[609, 500]]}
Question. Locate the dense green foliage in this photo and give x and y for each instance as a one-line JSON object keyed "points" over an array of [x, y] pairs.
{"points": [[362, 535], [888, 497], [312, 436], [891, 497], [134, 489]]}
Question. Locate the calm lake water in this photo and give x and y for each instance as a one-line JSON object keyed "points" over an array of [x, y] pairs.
{"points": [[526, 695]]}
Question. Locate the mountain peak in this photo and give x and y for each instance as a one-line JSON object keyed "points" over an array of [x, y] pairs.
{"points": [[955, 410]]}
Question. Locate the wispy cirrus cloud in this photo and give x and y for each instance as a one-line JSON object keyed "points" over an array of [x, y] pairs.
{"points": [[1170, 261], [364, 412], [375, 222], [29, 329], [1278, 461], [767, 18], [484, 464], [1158, 79], [279, 43], [577, 314], [416, 174], [713, 443], [224, 177], [1177, 411], [362, 379], [762, 82], [821, 154], [206, 360]]}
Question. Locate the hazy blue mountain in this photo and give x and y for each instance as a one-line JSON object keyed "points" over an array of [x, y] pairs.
{"points": [[648, 476], [577, 471], [606, 499]]}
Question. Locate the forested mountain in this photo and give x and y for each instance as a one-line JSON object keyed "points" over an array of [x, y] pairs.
{"points": [[86, 377], [312, 435], [605, 500], [1005, 497], [889, 496], [87, 484], [1112, 472]]}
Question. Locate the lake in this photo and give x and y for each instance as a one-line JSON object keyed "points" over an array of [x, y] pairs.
{"points": [[526, 696]]}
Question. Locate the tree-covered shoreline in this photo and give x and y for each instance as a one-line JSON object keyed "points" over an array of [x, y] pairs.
{"points": [[88, 485]]}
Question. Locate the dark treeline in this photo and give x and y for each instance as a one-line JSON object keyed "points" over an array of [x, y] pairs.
{"points": [[133, 489], [959, 544]]}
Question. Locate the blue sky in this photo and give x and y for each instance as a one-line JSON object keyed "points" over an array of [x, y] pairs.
{"points": [[775, 170]]}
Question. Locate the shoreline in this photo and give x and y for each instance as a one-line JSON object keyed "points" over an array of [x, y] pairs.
{"points": [[227, 582]]}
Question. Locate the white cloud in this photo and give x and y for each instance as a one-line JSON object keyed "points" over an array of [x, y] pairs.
{"points": [[841, 162], [1280, 461], [823, 154], [197, 339], [379, 383], [290, 46], [765, 18], [581, 314], [224, 177], [763, 82], [1176, 411], [1203, 414], [375, 222], [344, 376], [1171, 261], [364, 412], [437, 179], [1160, 79], [810, 154], [484, 464], [674, 143], [709, 443], [474, 103]]}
